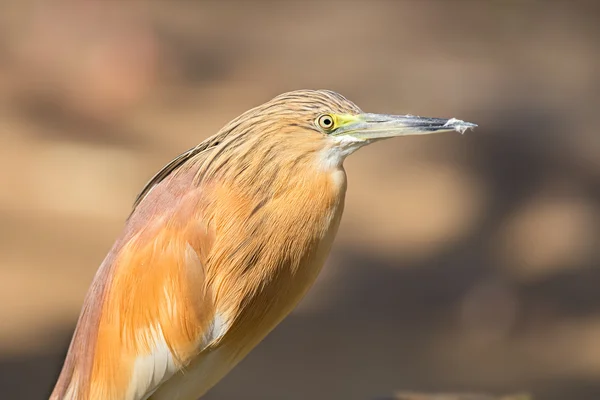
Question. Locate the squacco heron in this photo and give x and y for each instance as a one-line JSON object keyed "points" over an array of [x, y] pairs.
{"points": [[221, 245]]}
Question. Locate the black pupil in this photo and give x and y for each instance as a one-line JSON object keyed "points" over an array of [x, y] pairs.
{"points": [[326, 121]]}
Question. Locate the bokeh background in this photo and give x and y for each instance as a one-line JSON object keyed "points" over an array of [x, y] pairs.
{"points": [[463, 262]]}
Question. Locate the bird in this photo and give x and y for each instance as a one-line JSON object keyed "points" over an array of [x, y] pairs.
{"points": [[220, 246]]}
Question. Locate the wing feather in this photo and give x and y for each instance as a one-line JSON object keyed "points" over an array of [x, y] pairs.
{"points": [[148, 308]]}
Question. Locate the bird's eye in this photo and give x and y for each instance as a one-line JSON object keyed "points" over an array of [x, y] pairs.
{"points": [[325, 122]]}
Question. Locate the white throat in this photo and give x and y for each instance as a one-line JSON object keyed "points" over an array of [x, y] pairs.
{"points": [[333, 156]]}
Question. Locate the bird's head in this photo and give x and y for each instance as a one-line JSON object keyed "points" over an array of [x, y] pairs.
{"points": [[340, 127]]}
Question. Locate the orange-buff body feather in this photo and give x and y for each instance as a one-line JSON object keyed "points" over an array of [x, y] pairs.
{"points": [[217, 252]]}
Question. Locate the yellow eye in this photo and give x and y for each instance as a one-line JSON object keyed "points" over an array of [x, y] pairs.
{"points": [[325, 122]]}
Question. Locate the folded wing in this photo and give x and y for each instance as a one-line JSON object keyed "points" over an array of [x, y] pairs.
{"points": [[148, 311]]}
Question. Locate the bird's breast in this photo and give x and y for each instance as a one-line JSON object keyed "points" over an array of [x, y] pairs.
{"points": [[260, 269], [281, 251]]}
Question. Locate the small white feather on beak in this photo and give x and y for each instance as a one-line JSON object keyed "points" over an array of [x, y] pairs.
{"points": [[459, 125]]}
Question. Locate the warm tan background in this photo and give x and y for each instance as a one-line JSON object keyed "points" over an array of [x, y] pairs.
{"points": [[463, 262]]}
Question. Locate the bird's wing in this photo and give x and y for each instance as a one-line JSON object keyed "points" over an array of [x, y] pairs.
{"points": [[148, 311]]}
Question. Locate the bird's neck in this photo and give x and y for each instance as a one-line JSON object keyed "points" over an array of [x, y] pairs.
{"points": [[265, 265]]}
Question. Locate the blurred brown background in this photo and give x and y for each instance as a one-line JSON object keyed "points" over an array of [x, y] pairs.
{"points": [[463, 262]]}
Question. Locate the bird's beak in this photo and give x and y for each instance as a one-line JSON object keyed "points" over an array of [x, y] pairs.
{"points": [[369, 127]]}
